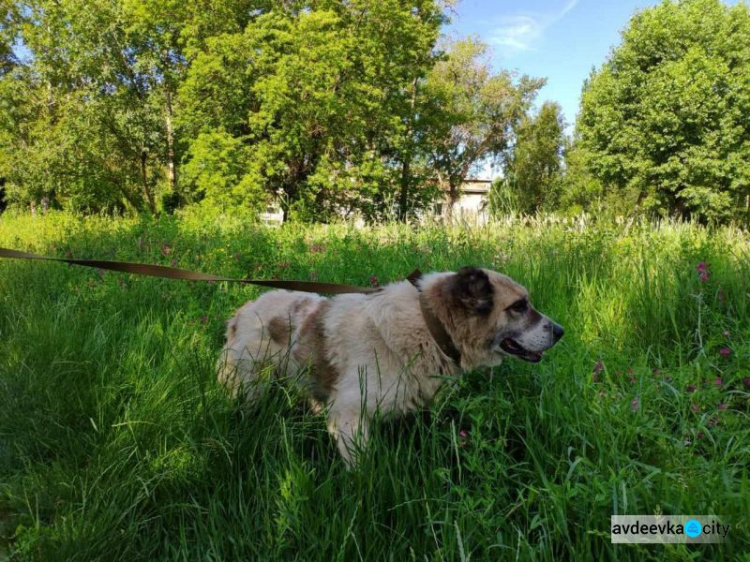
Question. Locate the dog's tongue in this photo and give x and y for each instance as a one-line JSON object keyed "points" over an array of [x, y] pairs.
{"points": [[533, 357]]}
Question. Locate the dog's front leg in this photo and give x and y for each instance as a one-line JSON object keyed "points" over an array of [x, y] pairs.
{"points": [[350, 428]]}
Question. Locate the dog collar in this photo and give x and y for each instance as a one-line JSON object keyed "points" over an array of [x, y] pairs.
{"points": [[434, 325]]}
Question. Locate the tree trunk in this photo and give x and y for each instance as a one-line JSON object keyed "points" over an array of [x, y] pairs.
{"points": [[404, 197], [171, 166], [406, 164], [451, 196], [144, 179]]}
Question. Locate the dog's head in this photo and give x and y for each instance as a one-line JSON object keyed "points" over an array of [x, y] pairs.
{"points": [[491, 317]]}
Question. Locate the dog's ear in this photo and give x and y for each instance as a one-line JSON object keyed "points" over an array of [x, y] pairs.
{"points": [[472, 288]]}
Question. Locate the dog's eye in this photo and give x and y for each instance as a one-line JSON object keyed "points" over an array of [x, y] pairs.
{"points": [[521, 305]]}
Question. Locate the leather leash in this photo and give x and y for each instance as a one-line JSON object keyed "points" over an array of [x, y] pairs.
{"points": [[434, 325], [175, 273]]}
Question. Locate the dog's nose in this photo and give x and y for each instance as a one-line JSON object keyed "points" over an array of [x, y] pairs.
{"points": [[557, 331]]}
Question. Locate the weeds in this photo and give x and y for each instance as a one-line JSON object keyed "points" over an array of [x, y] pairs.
{"points": [[116, 442]]}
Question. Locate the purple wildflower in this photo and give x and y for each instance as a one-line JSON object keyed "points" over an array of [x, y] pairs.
{"points": [[635, 404]]}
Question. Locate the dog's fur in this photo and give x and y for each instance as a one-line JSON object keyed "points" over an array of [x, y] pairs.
{"points": [[361, 354]]}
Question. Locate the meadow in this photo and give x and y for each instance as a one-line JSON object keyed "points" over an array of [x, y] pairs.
{"points": [[117, 443]]}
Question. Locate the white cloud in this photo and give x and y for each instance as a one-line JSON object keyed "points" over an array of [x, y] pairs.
{"points": [[521, 32], [569, 6], [516, 33]]}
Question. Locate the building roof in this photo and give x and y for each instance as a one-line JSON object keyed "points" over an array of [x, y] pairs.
{"points": [[476, 186]]}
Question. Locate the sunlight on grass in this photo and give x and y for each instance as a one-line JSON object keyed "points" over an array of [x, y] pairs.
{"points": [[116, 442]]}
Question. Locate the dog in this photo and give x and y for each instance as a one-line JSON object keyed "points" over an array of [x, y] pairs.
{"points": [[386, 352]]}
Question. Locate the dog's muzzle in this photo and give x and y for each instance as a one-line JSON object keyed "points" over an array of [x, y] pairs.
{"points": [[530, 346]]}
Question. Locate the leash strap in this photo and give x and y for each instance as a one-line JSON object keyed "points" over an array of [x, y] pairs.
{"points": [[436, 328], [175, 273]]}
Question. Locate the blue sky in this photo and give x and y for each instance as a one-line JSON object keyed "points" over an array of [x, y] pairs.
{"points": [[561, 40]]}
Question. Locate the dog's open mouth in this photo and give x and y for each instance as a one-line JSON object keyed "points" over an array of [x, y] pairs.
{"points": [[512, 347]]}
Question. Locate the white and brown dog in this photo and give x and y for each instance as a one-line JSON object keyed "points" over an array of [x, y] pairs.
{"points": [[385, 352]]}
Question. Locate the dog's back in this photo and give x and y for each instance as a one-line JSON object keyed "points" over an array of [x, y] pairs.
{"points": [[261, 334]]}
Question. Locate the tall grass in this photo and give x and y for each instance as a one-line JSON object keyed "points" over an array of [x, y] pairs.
{"points": [[116, 443]]}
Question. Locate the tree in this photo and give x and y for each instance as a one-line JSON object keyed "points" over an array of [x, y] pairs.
{"points": [[165, 36], [7, 37], [323, 98], [478, 112], [8, 62], [664, 123], [579, 190], [532, 168], [87, 130], [333, 106]]}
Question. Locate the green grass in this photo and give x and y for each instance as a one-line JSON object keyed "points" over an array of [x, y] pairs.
{"points": [[116, 443]]}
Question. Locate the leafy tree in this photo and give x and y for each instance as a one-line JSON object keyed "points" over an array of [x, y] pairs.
{"points": [[8, 62], [7, 36], [532, 168], [478, 112], [579, 190], [88, 132], [165, 35], [326, 96], [333, 106], [664, 123], [93, 122]]}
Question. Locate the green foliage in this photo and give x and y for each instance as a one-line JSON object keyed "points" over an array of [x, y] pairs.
{"points": [[335, 108], [89, 127], [579, 191], [220, 168], [321, 97], [663, 124], [7, 57], [117, 443], [478, 112], [330, 107], [532, 170]]}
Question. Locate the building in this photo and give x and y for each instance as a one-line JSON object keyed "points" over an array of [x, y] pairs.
{"points": [[472, 205], [473, 200]]}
